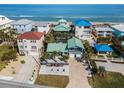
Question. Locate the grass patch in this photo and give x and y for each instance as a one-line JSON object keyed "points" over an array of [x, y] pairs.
{"points": [[112, 80], [53, 80], [3, 49], [2, 66]]}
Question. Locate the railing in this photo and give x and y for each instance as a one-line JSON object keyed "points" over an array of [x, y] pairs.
{"points": [[112, 59]]}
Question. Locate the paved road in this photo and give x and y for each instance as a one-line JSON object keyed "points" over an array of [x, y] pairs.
{"points": [[77, 75], [11, 84], [26, 71]]}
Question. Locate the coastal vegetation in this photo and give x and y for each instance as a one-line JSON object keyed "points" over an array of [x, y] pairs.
{"points": [[6, 54], [112, 80], [103, 40], [52, 80], [49, 38]]}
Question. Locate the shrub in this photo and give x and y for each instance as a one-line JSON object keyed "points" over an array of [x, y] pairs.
{"points": [[13, 72], [93, 64], [11, 55], [22, 62]]}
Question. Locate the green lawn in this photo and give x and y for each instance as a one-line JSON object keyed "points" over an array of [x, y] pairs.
{"points": [[2, 66], [3, 49], [52, 80], [113, 80]]}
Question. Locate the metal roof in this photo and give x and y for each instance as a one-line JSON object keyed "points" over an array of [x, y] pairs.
{"points": [[82, 22], [74, 42], [103, 48], [61, 28], [58, 47], [22, 22]]}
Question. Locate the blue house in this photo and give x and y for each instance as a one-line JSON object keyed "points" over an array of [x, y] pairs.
{"points": [[83, 29], [82, 22], [103, 49]]}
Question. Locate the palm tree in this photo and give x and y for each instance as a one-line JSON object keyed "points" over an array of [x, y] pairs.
{"points": [[102, 71]]}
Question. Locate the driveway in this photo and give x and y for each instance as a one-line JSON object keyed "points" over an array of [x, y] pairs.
{"points": [[26, 71], [77, 75]]}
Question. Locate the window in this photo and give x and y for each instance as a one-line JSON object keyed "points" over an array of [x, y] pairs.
{"points": [[79, 26], [63, 70], [86, 26], [21, 47], [20, 40], [34, 47], [33, 41], [3, 18]]}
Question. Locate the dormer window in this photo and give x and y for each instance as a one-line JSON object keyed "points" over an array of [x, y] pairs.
{"points": [[3, 18]]}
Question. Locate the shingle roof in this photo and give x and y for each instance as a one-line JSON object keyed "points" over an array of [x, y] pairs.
{"points": [[82, 22], [74, 42], [22, 22], [5, 21], [58, 47], [40, 24], [31, 35], [103, 48], [61, 28]]}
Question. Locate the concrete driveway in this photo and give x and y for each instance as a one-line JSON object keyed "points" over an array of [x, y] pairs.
{"points": [[26, 71], [77, 75]]}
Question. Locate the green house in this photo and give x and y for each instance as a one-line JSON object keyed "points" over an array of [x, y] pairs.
{"points": [[61, 28], [61, 32], [75, 47], [60, 48]]}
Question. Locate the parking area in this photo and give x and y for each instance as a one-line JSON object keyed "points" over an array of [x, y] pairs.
{"points": [[77, 75]]}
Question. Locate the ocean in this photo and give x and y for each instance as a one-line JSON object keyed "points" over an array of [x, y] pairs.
{"points": [[71, 12]]}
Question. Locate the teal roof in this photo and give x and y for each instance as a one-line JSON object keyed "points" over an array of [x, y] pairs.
{"points": [[58, 47], [116, 32], [74, 42], [61, 28], [62, 21], [103, 48]]}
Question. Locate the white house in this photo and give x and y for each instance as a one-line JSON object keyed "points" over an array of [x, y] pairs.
{"points": [[5, 23], [103, 31], [30, 43], [83, 29], [22, 25], [41, 27]]}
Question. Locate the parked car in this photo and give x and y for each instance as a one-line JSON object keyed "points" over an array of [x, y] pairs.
{"points": [[0, 41]]}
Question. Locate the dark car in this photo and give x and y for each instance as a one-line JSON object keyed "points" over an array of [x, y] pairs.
{"points": [[0, 41]]}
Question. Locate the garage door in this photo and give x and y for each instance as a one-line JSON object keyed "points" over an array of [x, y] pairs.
{"points": [[78, 55], [72, 55]]}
